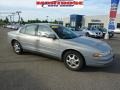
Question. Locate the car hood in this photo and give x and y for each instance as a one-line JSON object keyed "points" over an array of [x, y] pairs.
{"points": [[91, 42], [96, 31], [79, 33]]}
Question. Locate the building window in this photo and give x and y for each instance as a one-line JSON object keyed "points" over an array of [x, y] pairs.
{"points": [[95, 25], [118, 25]]}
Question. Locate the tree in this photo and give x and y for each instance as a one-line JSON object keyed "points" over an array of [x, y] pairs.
{"points": [[55, 22], [44, 21], [22, 21], [6, 20], [37, 20]]}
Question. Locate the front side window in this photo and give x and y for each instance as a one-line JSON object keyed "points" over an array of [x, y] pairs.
{"points": [[43, 31], [29, 30]]}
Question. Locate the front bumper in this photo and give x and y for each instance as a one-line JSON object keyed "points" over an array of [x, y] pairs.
{"points": [[101, 62], [96, 36]]}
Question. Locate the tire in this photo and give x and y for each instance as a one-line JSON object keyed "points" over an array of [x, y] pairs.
{"points": [[17, 47], [73, 60]]}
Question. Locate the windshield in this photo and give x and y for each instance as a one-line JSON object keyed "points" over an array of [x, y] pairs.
{"points": [[63, 32], [103, 29], [93, 29], [75, 29]]}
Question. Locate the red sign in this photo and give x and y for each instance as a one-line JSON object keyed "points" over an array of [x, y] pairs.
{"points": [[59, 3], [113, 14]]}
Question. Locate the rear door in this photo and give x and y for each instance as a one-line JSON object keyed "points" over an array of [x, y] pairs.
{"points": [[28, 37]]}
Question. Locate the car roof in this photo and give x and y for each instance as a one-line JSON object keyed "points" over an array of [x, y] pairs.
{"points": [[48, 24]]}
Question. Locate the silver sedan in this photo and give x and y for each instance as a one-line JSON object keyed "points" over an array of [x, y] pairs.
{"points": [[58, 41]]}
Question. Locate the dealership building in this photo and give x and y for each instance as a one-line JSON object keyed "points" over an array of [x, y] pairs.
{"points": [[88, 21]]}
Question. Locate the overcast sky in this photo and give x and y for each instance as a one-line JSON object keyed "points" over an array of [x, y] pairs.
{"points": [[30, 11]]}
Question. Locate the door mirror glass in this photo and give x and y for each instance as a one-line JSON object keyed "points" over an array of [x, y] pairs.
{"points": [[47, 35], [45, 31], [52, 36]]}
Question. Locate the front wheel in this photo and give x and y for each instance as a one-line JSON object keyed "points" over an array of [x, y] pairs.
{"points": [[73, 60], [17, 47]]}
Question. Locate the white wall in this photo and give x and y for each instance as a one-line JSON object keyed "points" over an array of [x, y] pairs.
{"points": [[103, 19], [87, 19]]}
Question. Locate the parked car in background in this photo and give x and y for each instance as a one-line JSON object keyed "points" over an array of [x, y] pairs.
{"points": [[8, 26], [16, 26], [117, 30], [59, 41], [92, 32], [13, 26], [104, 31]]}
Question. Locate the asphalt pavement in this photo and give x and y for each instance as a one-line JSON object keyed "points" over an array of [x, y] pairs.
{"points": [[37, 72]]}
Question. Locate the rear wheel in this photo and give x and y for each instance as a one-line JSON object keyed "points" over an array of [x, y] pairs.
{"points": [[73, 60], [17, 47]]}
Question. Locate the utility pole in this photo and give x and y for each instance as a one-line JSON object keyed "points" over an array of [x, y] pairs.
{"points": [[10, 18], [13, 14], [47, 18], [0, 15], [18, 12]]}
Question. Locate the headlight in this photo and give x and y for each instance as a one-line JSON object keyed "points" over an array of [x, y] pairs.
{"points": [[101, 54], [92, 33], [97, 55]]}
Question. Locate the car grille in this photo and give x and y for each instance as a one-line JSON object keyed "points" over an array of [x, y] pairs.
{"points": [[98, 33]]}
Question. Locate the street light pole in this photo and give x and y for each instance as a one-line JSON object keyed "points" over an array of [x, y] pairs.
{"points": [[47, 18], [18, 12]]}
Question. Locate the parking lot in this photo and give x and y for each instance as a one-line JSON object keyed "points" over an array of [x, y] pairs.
{"points": [[37, 72]]}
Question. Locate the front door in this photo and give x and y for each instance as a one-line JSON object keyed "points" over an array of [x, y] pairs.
{"points": [[47, 45]]}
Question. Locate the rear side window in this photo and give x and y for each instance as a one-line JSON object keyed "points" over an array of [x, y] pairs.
{"points": [[29, 30]]}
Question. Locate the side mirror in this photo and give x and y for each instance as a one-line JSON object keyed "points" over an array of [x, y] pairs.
{"points": [[47, 35], [52, 36]]}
